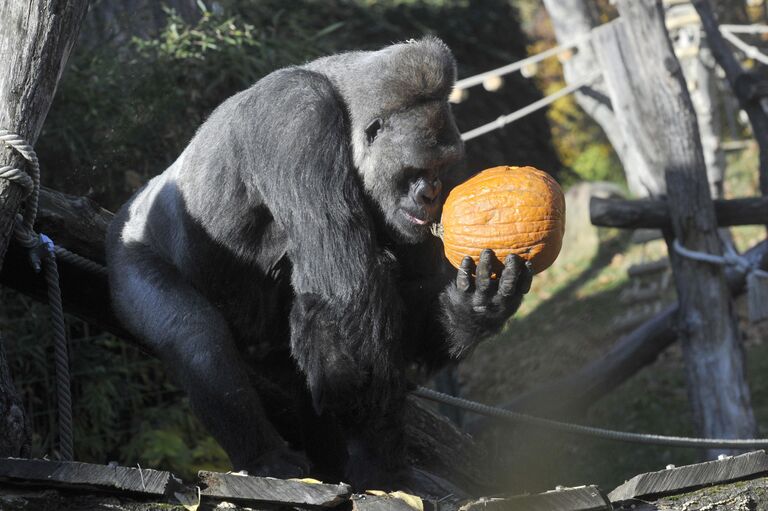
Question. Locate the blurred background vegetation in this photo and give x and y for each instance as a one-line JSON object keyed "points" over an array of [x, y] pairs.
{"points": [[144, 76]]}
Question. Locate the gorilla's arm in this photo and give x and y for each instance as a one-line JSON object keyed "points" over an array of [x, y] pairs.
{"points": [[345, 321]]}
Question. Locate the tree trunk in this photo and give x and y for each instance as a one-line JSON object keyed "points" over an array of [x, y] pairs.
{"points": [[698, 67], [36, 38], [742, 83], [573, 19], [645, 79]]}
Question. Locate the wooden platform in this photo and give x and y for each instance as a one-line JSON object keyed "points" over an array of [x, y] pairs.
{"points": [[731, 483]]}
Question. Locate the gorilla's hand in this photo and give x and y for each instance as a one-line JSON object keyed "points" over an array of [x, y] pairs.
{"points": [[476, 308]]}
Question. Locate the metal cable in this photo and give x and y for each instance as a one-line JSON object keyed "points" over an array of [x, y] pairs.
{"points": [[578, 429]]}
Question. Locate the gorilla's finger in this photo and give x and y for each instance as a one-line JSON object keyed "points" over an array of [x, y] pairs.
{"points": [[526, 277], [464, 275], [510, 277], [483, 279]]}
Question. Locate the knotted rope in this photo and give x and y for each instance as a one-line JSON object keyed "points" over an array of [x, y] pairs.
{"points": [[757, 279], [43, 253]]}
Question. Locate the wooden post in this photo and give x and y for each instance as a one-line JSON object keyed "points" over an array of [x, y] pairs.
{"points": [[572, 19], [651, 101], [36, 38]]}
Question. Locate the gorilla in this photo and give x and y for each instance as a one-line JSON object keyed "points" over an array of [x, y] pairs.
{"points": [[294, 230]]}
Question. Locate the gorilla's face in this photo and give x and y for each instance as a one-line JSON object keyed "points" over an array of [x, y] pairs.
{"points": [[406, 156], [403, 136]]}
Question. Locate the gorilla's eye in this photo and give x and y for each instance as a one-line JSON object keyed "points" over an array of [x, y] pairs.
{"points": [[372, 130]]}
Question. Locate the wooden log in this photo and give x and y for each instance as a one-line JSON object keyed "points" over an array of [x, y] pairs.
{"points": [[267, 490], [684, 479], [584, 498], [651, 268], [651, 98], [87, 476], [380, 503], [739, 496], [654, 214], [36, 38]]}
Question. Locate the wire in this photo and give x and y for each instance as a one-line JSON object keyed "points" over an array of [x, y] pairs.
{"points": [[578, 429]]}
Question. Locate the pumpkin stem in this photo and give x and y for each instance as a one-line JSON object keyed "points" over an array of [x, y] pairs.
{"points": [[437, 230]]}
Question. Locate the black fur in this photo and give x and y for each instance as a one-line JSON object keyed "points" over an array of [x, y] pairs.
{"points": [[297, 220]]}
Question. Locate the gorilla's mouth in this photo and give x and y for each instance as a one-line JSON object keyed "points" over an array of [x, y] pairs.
{"points": [[413, 219]]}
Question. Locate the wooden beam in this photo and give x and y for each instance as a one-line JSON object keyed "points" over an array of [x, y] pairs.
{"points": [[654, 214], [268, 490], [684, 479], [84, 476], [584, 498]]}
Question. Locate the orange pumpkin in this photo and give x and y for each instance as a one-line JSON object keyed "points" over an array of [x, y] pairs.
{"points": [[511, 210]]}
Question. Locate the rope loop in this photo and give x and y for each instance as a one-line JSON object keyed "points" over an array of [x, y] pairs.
{"points": [[730, 258], [29, 181]]}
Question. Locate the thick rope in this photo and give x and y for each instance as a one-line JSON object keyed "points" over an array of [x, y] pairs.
{"points": [[16, 175], [578, 429], [730, 258], [26, 236], [78, 260], [61, 348]]}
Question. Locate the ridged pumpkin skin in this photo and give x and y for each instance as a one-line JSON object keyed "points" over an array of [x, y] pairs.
{"points": [[512, 210]]}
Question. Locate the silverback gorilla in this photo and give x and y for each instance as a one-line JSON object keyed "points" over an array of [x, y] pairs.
{"points": [[294, 231]]}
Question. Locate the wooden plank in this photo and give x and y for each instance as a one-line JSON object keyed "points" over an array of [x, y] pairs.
{"points": [[584, 498], [380, 503], [683, 479], [654, 214], [76, 475], [267, 490]]}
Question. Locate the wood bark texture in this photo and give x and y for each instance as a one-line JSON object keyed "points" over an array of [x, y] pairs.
{"points": [[36, 38], [651, 100], [654, 214], [741, 83], [571, 20]]}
